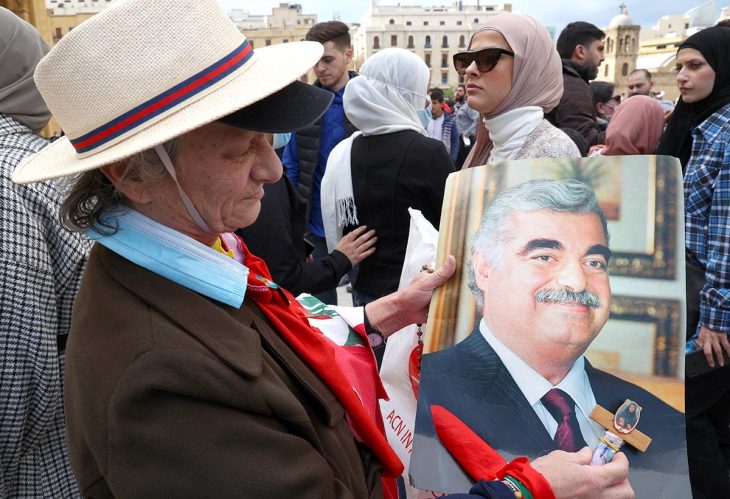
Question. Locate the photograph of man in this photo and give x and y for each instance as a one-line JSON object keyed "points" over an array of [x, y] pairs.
{"points": [[538, 268]]}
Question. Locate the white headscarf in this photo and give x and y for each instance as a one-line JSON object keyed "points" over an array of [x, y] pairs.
{"points": [[385, 98]]}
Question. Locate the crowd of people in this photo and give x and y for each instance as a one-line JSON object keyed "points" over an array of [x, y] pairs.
{"points": [[151, 342]]}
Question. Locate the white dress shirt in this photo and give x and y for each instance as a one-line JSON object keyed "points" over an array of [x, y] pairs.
{"points": [[534, 387], [435, 127]]}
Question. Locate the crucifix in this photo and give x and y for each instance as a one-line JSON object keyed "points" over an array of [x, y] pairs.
{"points": [[620, 428], [622, 7]]}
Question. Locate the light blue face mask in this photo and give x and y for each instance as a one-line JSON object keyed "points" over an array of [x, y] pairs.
{"points": [[425, 116], [281, 139], [175, 256]]}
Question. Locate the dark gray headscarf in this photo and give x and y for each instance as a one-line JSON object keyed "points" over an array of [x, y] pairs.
{"points": [[21, 47]]}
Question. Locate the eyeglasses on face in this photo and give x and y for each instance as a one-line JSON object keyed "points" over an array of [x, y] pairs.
{"points": [[616, 99], [486, 59]]}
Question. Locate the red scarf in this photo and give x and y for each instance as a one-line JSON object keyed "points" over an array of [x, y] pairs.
{"points": [[289, 319]]}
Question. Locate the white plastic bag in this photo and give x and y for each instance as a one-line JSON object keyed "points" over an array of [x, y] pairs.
{"points": [[398, 368]]}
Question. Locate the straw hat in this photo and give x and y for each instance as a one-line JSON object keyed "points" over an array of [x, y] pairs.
{"points": [[140, 73]]}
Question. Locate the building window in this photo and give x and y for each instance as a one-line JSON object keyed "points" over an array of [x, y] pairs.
{"points": [[445, 42], [620, 45], [444, 60], [410, 42], [442, 23], [625, 69], [251, 43], [428, 42], [59, 33], [476, 20], [376, 42], [393, 40], [428, 60], [268, 42], [286, 40], [425, 23], [461, 42], [408, 23], [605, 70], [458, 23], [444, 78], [392, 21]]}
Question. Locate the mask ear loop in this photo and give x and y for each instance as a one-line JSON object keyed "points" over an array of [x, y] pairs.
{"points": [[165, 158]]}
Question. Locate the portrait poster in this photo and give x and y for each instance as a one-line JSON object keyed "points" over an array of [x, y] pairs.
{"points": [[632, 347]]}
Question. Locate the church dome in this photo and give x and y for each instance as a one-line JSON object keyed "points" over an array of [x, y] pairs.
{"points": [[621, 20]]}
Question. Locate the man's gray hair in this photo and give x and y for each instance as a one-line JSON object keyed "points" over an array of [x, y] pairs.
{"points": [[568, 196]]}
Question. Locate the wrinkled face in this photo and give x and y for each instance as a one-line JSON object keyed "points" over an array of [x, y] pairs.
{"points": [[460, 93], [331, 69], [437, 108], [487, 90], [223, 170], [639, 84], [593, 57], [546, 254], [695, 76]]}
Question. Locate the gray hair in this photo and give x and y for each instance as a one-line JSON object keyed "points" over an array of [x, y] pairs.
{"points": [[568, 196], [90, 193]]}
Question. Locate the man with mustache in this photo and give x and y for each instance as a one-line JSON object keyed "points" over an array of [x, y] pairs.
{"points": [[581, 48], [520, 381]]}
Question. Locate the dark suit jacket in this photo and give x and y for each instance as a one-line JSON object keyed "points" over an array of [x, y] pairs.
{"points": [[471, 381]]}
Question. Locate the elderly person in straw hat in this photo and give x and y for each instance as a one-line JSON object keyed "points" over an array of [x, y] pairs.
{"points": [[190, 373], [40, 270]]}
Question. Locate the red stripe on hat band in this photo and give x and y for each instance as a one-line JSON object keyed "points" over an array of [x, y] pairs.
{"points": [[164, 101]]}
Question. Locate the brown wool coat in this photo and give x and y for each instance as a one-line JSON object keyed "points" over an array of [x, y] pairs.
{"points": [[169, 394]]}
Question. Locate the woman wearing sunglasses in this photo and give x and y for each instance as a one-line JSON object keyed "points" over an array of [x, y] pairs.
{"points": [[513, 77]]}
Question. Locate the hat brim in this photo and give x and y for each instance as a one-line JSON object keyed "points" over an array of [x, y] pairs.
{"points": [[271, 69], [293, 107]]}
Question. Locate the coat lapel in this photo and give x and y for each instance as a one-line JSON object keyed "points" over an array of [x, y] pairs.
{"points": [[500, 412]]}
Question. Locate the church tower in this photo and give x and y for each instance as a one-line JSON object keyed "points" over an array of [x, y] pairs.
{"points": [[621, 52]]}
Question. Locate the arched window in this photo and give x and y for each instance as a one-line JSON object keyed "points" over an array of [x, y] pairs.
{"points": [[428, 42], [620, 45], [608, 44], [605, 70], [461, 41], [392, 21], [376, 42], [476, 20], [626, 42], [410, 41], [625, 69], [445, 42]]}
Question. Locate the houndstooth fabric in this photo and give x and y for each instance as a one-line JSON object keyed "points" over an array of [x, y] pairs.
{"points": [[40, 267]]}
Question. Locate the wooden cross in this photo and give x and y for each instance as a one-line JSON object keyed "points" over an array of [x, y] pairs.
{"points": [[634, 438], [622, 7]]}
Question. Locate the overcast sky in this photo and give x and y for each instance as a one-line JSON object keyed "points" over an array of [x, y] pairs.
{"points": [[555, 13]]}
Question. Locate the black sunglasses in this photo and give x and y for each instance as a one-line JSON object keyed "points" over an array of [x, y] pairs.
{"points": [[486, 59]]}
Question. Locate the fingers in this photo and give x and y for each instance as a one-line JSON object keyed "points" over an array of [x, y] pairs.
{"points": [[358, 244], [442, 274], [725, 343]]}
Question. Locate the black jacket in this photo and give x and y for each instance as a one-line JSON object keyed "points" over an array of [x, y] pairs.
{"points": [[277, 236], [576, 109], [391, 173]]}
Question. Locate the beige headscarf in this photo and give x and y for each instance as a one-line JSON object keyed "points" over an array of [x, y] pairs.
{"points": [[537, 75], [21, 47]]}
